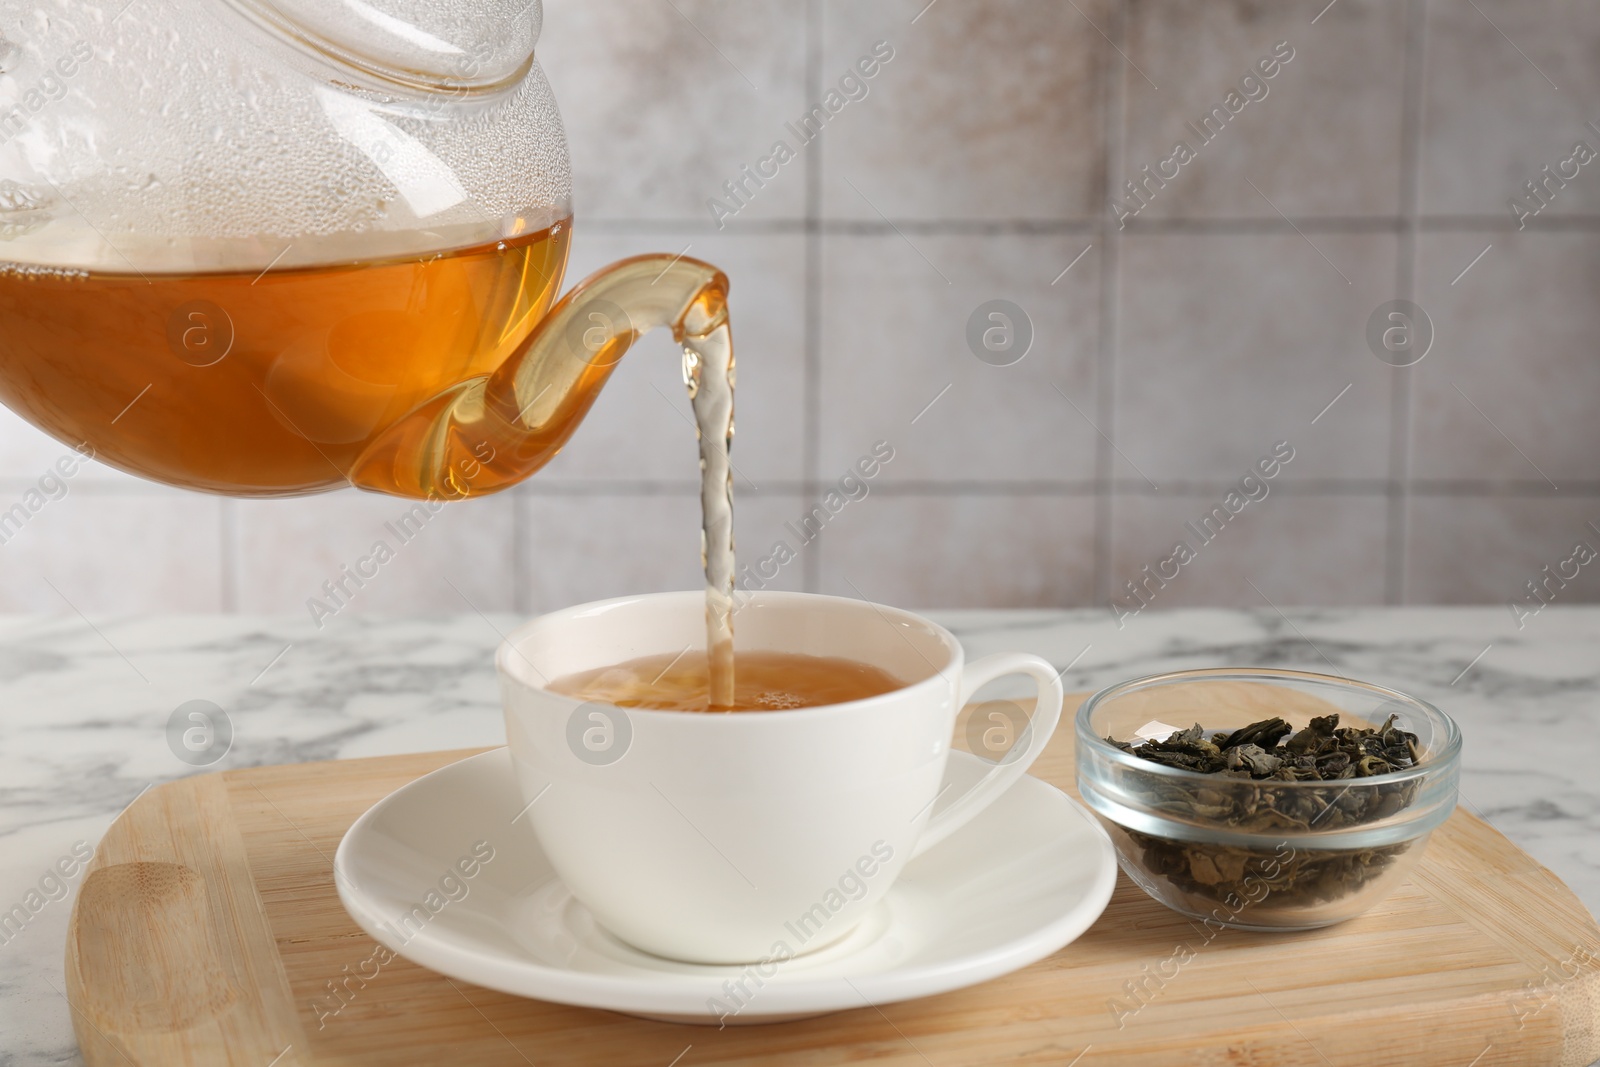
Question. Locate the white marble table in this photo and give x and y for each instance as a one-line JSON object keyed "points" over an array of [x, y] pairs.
{"points": [[84, 711]]}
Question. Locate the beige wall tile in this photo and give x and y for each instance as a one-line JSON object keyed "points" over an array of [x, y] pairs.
{"points": [[665, 102], [25, 450], [1323, 140], [584, 548], [1483, 550], [989, 109], [1510, 388], [153, 551], [642, 428], [1230, 343], [988, 551], [1296, 549], [286, 550], [577, 548], [1491, 120], [895, 335]]}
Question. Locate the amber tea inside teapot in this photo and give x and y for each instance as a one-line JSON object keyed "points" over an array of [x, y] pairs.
{"points": [[266, 247]]}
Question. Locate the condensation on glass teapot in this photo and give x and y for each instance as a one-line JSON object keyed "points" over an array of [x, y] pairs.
{"points": [[268, 247]]}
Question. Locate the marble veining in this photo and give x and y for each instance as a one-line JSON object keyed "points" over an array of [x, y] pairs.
{"points": [[83, 730]]}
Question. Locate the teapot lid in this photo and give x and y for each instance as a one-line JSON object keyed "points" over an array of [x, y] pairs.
{"points": [[450, 44]]}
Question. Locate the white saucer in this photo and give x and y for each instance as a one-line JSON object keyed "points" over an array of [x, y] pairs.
{"points": [[1024, 878]]}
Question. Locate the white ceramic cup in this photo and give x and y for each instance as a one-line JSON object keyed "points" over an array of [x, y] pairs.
{"points": [[747, 837]]}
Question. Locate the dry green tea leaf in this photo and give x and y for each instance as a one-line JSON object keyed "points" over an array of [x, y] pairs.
{"points": [[1271, 752]]}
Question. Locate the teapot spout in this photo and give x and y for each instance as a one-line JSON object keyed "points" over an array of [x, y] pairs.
{"points": [[490, 432]]}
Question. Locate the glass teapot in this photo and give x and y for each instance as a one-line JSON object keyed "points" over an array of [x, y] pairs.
{"points": [[270, 247]]}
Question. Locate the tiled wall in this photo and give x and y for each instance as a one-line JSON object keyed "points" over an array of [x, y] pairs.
{"points": [[1168, 357]]}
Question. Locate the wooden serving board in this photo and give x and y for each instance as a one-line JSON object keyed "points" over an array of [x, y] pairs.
{"points": [[208, 924]]}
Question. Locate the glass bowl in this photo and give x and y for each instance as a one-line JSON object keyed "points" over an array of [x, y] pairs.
{"points": [[1262, 854]]}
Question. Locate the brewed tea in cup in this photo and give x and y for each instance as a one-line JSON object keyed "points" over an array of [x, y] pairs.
{"points": [[761, 833], [764, 681]]}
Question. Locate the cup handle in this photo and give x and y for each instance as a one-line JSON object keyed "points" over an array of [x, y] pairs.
{"points": [[1046, 714]]}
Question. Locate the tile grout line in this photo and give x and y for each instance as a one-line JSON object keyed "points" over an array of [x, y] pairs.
{"points": [[811, 433], [1402, 396], [1377, 486], [1553, 224], [1114, 79]]}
